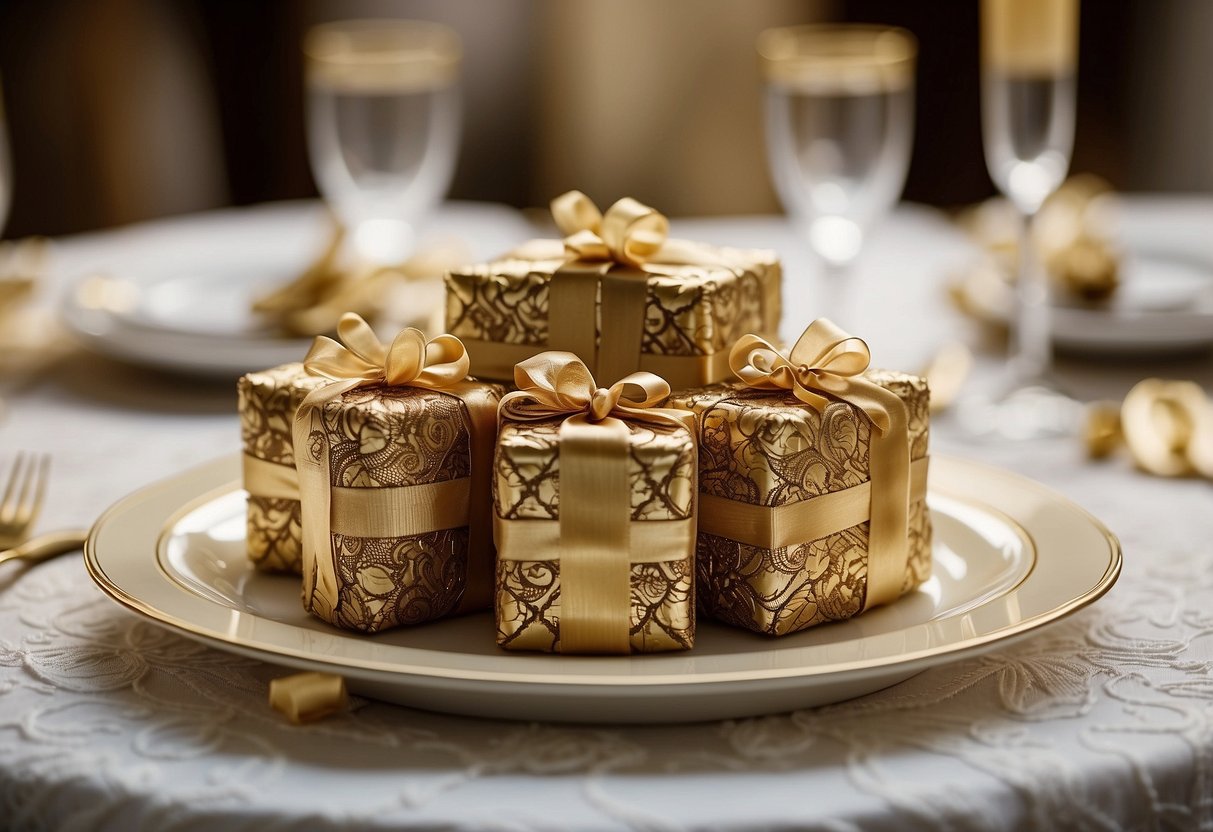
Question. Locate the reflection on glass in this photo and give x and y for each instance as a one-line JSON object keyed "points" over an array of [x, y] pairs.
{"points": [[383, 124]]}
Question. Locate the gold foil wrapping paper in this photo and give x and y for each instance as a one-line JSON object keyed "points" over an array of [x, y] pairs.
{"points": [[692, 312], [267, 401], [661, 467], [382, 437], [766, 448]]}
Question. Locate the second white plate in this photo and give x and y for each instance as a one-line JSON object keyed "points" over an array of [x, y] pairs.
{"points": [[1020, 558]]}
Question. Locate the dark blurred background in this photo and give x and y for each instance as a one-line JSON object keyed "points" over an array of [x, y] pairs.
{"points": [[122, 110]]}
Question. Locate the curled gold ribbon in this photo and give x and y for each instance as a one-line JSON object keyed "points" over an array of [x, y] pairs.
{"points": [[1168, 426], [827, 364], [595, 538], [360, 359]]}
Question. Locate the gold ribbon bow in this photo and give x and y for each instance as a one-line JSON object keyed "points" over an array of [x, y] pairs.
{"points": [[597, 297], [360, 359], [824, 365], [595, 535], [630, 233]]}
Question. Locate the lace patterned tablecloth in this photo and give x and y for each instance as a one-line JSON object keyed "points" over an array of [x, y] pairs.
{"points": [[1103, 721]]}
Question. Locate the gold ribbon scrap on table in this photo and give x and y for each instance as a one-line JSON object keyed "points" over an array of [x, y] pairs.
{"points": [[610, 258], [361, 360], [595, 537], [826, 365], [308, 697], [334, 283], [1167, 426]]}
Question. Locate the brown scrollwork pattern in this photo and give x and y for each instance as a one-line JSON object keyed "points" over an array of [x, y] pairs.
{"points": [[527, 486], [692, 311], [381, 437], [766, 448], [528, 606], [267, 401]]}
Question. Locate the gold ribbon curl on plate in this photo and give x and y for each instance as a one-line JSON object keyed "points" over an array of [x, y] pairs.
{"points": [[360, 359], [595, 532], [605, 279], [827, 364]]}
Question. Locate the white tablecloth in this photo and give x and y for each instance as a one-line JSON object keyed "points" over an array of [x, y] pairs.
{"points": [[1102, 721]]}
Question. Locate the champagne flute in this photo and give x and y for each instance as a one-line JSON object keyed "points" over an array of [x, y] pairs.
{"points": [[839, 127], [1029, 52], [383, 121]]}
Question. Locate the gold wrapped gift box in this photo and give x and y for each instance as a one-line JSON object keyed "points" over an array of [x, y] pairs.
{"points": [[267, 401], [673, 310], [394, 457], [765, 447], [646, 528]]}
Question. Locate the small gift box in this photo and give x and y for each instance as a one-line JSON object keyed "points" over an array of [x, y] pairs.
{"points": [[812, 476], [594, 497], [267, 401], [394, 458], [618, 294]]}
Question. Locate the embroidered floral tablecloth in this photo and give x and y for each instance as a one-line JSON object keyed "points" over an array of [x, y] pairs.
{"points": [[1102, 721]]}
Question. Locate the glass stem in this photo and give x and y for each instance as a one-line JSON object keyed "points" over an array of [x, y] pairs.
{"points": [[836, 292], [1031, 338]]}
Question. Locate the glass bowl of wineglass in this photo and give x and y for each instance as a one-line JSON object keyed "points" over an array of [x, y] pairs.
{"points": [[383, 118], [839, 128]]}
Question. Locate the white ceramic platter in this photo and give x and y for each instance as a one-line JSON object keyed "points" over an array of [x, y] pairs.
{"points": [[1006, 563], [176, 294]]}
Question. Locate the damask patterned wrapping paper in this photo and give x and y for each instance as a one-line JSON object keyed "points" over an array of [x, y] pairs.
{"points": [[692, 312], [767, 448], [267, 401], [389, 437], [526, 486]]}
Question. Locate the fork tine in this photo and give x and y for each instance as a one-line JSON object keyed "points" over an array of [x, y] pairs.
{"points": [[33, 490], [8, 507]]}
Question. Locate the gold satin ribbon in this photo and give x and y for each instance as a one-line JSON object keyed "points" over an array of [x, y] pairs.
{"points": [[824, 365], [595, 533], [410, 361], [597, 298], [774, 527], [273, 480]]}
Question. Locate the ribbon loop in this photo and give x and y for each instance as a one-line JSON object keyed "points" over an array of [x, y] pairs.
{"points": [[827, 364], [559, 384], [630, 233]]}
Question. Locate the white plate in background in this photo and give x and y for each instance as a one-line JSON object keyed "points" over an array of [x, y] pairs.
{"points": [[178, 292]]}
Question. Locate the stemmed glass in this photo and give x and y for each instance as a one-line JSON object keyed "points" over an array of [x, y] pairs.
{"points": [[839, 128], [383, 122], [1029, 51]]}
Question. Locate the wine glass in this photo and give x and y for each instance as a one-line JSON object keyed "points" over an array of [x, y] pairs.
{"points": [[1029, 52], [839, 127], [383, 119]]}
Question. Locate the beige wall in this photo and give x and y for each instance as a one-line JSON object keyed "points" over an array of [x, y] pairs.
{"points": [[657, 100]]}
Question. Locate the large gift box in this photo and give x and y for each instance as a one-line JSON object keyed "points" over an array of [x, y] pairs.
{"points": [[594, 498], [616, 292], [267, 401], [812, 473], [394, 457]]}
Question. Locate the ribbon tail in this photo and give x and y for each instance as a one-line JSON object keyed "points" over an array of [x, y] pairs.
{"points": [[320, 586], [482, 425], [888, 528]]}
